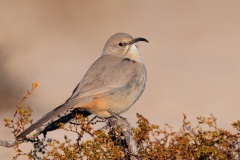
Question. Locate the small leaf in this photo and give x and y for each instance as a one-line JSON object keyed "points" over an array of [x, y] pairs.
{"points": [[34, 85]]}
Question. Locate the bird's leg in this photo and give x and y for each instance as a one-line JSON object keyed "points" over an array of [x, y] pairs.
{"points": [[118, 117], [102, 119]]}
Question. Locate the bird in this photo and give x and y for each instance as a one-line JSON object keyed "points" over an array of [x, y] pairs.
{"points": [[112, 84]]}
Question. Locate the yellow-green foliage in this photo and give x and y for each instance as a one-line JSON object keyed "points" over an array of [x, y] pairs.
{"points": [[203, 141]]}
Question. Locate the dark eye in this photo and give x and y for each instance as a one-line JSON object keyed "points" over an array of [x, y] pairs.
{"points": [[120, 44]]}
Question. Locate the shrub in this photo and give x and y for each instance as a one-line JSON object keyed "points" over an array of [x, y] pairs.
{"points": [[154, 142]]}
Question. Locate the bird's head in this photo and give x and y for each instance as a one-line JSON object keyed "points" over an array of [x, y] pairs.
{"points": [[124, 45]]}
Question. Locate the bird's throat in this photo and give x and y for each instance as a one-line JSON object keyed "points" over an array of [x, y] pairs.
{"points": [[134, 54]]}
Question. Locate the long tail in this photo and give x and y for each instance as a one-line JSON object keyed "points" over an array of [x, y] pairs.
{"points": [[60, 114]]}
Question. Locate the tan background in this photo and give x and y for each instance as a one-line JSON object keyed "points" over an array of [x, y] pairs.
{"points": [[192, 58]]}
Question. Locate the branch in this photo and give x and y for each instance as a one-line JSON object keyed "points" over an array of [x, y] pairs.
{"points": [[9, 143], [125, 127]]}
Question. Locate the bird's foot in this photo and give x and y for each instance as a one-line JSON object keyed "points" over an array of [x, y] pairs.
{"points": [[118, 117]]}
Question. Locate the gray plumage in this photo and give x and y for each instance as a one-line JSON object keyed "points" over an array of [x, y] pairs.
{"points": [[113, 83]]}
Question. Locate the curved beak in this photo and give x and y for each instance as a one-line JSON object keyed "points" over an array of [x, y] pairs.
{"points": [[135, 40]]}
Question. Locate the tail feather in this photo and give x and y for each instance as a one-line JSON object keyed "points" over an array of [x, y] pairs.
{"points": [[50, 117], [64, 119]]}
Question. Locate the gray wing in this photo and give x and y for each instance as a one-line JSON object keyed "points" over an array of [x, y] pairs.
{"points": [[108, 73]]}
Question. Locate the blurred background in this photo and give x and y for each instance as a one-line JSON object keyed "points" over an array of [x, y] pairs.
{"points": [[192, 58]]}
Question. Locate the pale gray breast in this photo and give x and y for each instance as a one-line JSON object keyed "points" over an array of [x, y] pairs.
{"points": [[132, 80], [137, 80]]}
